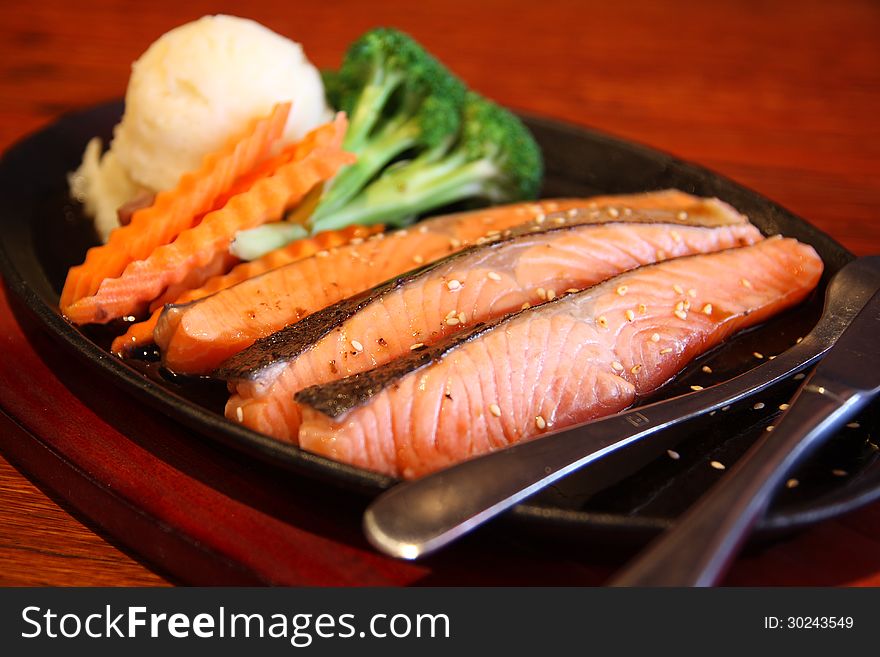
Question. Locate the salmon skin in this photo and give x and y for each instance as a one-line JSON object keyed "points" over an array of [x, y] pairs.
{"points": [[522, 266], [567, 361], [196, 337]]}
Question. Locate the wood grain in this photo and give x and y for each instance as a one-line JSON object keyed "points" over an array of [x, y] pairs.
{"points": [[780, 96]]}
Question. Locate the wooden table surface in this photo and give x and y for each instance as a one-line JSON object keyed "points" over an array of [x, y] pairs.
{"points": [[780, 96]]}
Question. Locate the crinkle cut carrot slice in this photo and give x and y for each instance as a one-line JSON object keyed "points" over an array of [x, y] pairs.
{"points": [[141, 334], [144, 280], [176, 210]]}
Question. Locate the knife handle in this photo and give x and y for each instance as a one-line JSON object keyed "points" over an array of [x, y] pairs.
{"points": [[698, 548]]}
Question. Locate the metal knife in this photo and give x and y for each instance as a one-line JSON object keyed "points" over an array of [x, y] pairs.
{"points": [[415, 518]]}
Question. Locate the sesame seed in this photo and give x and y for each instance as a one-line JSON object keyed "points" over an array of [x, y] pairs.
{"points": [[682, 215], [792, 483], [725, 408], [696, 388], [681, 314], [454, 243], [758, 406], [770, 427], [655, 337], [668, 350], [627, 211], [572, 290], [494, 276], [525, 306], [453, 285], [642, 309], [539, 219], [129, 318], [636, 369], [540, 422], [423, 229], [675, 235], [573, 213], [452, 321], [416, 345], [661, 254], [401, 233], [462, 317], [838, 472], [679, 306], [493, 233], [418, 259], [551, 294], [622, 290], [616, 366], [357, 346], [542, 293], [745, 282], [718, 465], [322, 254], [613, 212], [495, 410], [602, 321], [707, 309], [630, 315], [356, 240], [853, 425], [798, 377], [561, 220], [799, 340], [758, 355], [673, 454], [451, 313], [707, 369], [692, 293], [678, 289], [239, 413], [783, 407]]}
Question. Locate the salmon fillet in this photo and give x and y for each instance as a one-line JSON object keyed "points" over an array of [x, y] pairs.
{"points": [[196, 337], [525, 266], [564, 362]]}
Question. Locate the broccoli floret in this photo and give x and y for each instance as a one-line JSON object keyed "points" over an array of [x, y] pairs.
{"points": [[494, 158], [399, 99]]}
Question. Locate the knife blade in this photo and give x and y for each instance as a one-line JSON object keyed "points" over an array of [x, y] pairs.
{"points": [[698, 549]]}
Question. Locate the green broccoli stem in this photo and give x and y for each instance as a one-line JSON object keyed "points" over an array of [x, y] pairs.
{"points": [[370, 160], [371, 102], [397, 199]]}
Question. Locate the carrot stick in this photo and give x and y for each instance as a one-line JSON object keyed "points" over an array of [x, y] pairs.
{"points": [[175, 210], [144, 280], [141, 333]]}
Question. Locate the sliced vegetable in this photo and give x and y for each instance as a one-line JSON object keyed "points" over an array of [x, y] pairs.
{"points": [[266, 200], [176, 210], [141, 334]]}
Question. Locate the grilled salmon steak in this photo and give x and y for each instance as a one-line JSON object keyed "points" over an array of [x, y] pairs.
{"points": [[196, 337], [566, 361], [523, 266]]}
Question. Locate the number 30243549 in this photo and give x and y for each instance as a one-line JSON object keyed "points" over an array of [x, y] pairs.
{"points": [[808, 622]]}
